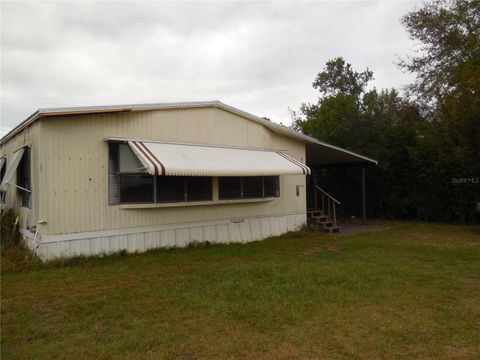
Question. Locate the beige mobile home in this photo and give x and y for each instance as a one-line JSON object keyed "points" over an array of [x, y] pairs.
{"points": [[92, 180]]}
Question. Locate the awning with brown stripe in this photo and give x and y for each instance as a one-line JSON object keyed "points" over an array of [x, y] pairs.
{"points": [[203, 160]]}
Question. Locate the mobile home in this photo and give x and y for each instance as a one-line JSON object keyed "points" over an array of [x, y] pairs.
{"points": [[100, 179]]}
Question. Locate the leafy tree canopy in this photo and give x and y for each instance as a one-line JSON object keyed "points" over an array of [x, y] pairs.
{"points": [[448, 60], [339, 78]]}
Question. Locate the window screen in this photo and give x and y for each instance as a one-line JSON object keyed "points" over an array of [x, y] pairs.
{"points": [[199, 188], [136, 188], [230, 188], [170, 188], [271, 186], [252, 187]]}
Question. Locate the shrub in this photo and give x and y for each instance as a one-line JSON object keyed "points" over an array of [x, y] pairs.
{"points": [[9, 234]]}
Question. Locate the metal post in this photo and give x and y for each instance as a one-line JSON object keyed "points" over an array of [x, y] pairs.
{"points": [[364, 208]]}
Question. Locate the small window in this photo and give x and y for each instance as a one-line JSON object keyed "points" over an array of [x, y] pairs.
{"points": [[199, 188], [136, 188], [230, 188], [271, 186], [253, 187], [170, 188], [24, 178], [3, 167]]}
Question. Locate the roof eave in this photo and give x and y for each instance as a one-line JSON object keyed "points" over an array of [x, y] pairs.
{"points": [[179, 105]]}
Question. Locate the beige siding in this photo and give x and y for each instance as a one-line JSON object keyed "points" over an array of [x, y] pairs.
{"points": [[76, 167]]}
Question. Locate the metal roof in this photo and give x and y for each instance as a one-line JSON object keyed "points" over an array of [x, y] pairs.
{"points": [[342, 155]]}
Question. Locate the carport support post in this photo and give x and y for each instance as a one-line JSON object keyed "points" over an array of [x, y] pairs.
{"points": [[364, 208]]}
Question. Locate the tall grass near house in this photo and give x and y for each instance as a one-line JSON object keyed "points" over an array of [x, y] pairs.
{"points": [[15, 256]]}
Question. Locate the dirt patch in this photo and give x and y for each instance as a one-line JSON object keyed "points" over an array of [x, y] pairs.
{"points": [[472, 281], [310, 251], [333, 247], [460, 352], [336, 248]]}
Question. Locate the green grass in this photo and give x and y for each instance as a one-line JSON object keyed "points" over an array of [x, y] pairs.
{"points": [[409, 292]]}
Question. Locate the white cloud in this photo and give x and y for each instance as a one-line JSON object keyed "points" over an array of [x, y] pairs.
{"points": [[261, 57]]}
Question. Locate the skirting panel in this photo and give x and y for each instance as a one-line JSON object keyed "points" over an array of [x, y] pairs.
{"points": [[234, 231]]}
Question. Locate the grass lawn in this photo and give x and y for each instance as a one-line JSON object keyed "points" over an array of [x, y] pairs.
{"points": [[410, 292]]}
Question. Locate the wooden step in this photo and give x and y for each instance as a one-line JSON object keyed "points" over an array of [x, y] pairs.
{"points": [[331, 229], [326, 223]]}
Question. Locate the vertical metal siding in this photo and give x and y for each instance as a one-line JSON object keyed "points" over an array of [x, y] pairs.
{"points": [[77, 169]]}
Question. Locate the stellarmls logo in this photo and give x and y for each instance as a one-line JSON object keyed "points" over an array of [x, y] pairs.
{"points": [[466, 180]]}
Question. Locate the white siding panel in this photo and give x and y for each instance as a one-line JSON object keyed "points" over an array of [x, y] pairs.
{"points": [[209, 234], [167, 238], [250, 230], [222, 234]]}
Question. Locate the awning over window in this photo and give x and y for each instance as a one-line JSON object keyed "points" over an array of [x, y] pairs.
{"points": [[11, 169], [202, 160]]}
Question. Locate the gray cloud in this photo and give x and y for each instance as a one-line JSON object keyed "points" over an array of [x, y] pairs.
{"points": [[261, 57]]}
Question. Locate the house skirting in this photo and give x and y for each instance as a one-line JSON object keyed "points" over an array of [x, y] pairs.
{"points": [[140, 239]]}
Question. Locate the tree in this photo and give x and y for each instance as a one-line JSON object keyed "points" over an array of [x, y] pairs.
{"points": [[448, 60], [427, 143], [381, 125], [339, 78], [447, 86]]}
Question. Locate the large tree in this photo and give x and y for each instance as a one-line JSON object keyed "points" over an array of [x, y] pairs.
{"points": [[427, 144], [447, 86], [448, 58], [381, 125]]}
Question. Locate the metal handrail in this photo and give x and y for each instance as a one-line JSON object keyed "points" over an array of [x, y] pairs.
{"points": [[327, 194]]}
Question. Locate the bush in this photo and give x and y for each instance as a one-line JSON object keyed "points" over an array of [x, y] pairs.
{"points": [[9, 234]]}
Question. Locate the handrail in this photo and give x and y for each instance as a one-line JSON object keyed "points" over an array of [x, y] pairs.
{"points": [[327, 194]]}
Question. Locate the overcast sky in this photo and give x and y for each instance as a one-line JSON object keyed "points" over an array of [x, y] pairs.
{"points": [[260, 57]]}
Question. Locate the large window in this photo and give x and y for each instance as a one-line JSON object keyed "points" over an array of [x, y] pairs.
{"points": [[230, 188], [129, 182], [271, 186], [170, 188], [24, 178], [199, 188], [136, 188], [250, 187]]}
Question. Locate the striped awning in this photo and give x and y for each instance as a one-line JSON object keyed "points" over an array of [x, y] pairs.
{"points": [[203, 160]]}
